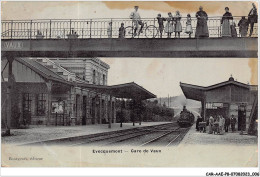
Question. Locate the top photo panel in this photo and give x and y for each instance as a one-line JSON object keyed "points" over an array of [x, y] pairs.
{"points": [[170, 29]]}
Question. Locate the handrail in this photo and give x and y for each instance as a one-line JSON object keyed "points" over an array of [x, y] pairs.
{"points": [[216, 17], [97, 28]]}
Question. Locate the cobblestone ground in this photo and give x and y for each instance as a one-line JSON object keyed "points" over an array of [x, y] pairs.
{"points": [[22, 136]]}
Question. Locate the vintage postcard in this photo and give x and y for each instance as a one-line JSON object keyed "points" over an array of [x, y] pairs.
{"points": [[129, 84]]}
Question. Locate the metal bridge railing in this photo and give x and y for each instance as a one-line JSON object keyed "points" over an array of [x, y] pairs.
{"points": [[97, 28]]}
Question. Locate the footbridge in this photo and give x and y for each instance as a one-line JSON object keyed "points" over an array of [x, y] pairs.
{"points": [[95, 38]]}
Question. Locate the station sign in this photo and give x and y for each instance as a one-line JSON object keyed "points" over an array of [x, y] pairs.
{"points": [[214, 105], [14, 45]]}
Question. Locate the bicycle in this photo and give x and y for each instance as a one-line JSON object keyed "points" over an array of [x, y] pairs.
{"points": [[151, 31]]}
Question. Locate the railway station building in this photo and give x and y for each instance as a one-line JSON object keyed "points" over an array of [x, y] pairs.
{"points": [[226, 98], [61, 91]]}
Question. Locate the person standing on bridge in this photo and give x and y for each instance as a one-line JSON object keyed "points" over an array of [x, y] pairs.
{"points": [[188, 29], [202, 30], [178, 27], [109, 30], [122, 31], [160, 22], [169, 25], [136, 19], [252, 18], [233, 29], [225, 21], [243, 26]]}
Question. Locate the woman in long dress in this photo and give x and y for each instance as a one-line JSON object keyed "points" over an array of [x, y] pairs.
{"points": [[243, 26], [188, 29], [225, 21], [169, 25], [211, 124], [178, 27], [221, 125], [202, 30]]}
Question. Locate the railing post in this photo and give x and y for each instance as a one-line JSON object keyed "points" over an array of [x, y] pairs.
{"points": [[90, 28], [70, 26], [133, 29], [12, 29], [31, 30], [111, 28], [50, 29], [154, 28]]}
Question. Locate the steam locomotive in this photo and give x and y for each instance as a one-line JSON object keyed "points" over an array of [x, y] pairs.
{"points": [[186, 118]]}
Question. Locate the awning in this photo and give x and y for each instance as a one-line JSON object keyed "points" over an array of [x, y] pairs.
{"points": [[127, 90], [192, 91], [196, 92]]}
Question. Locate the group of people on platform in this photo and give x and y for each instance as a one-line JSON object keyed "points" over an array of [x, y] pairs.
{"points": [[217, 124], [173, 24]]}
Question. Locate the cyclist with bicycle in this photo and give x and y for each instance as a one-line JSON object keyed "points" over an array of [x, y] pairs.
{"points": [[136, 19]]}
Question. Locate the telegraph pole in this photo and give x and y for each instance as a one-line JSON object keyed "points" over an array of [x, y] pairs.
{"points": [[168, 101]]}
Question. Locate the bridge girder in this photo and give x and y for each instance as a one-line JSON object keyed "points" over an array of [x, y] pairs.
{"points": [[164, 48]]}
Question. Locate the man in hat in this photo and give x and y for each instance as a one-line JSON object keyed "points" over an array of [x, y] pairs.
{"points": [[136, 18], [227, 124], [252, 18], [199, 119], [233, 122]]}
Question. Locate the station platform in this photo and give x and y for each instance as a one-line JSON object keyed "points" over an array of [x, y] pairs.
{"points": [[44, 133], [209, 150]]}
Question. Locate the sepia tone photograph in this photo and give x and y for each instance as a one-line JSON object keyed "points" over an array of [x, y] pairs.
{"points": [[129, 84]]}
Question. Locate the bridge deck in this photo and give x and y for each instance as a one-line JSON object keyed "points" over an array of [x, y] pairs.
{"points": [[206, 47]]}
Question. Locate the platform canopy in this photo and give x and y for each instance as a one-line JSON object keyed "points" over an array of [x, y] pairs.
{"points": [[196, 92], [193, 92], [127, 90]]}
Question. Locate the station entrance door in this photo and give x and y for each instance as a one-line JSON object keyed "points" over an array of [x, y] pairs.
{"points": [[241, 122]]}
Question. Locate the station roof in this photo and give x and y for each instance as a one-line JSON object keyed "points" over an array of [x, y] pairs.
{"points": [[41, 70], [196, 92], [126, 90]]}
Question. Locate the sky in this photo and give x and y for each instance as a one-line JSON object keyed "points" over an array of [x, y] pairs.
{"points": [[114, 9], [161, 76]]}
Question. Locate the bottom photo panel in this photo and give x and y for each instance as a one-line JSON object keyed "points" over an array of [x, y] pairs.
{"points": [[129, 112]]}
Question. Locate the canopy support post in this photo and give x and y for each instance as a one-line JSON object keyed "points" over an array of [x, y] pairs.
{"points": [[110, 111]]}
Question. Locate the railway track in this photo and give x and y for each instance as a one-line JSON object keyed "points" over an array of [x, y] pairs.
{"points": [[167, 139], [108, 140], [161, 135]]}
